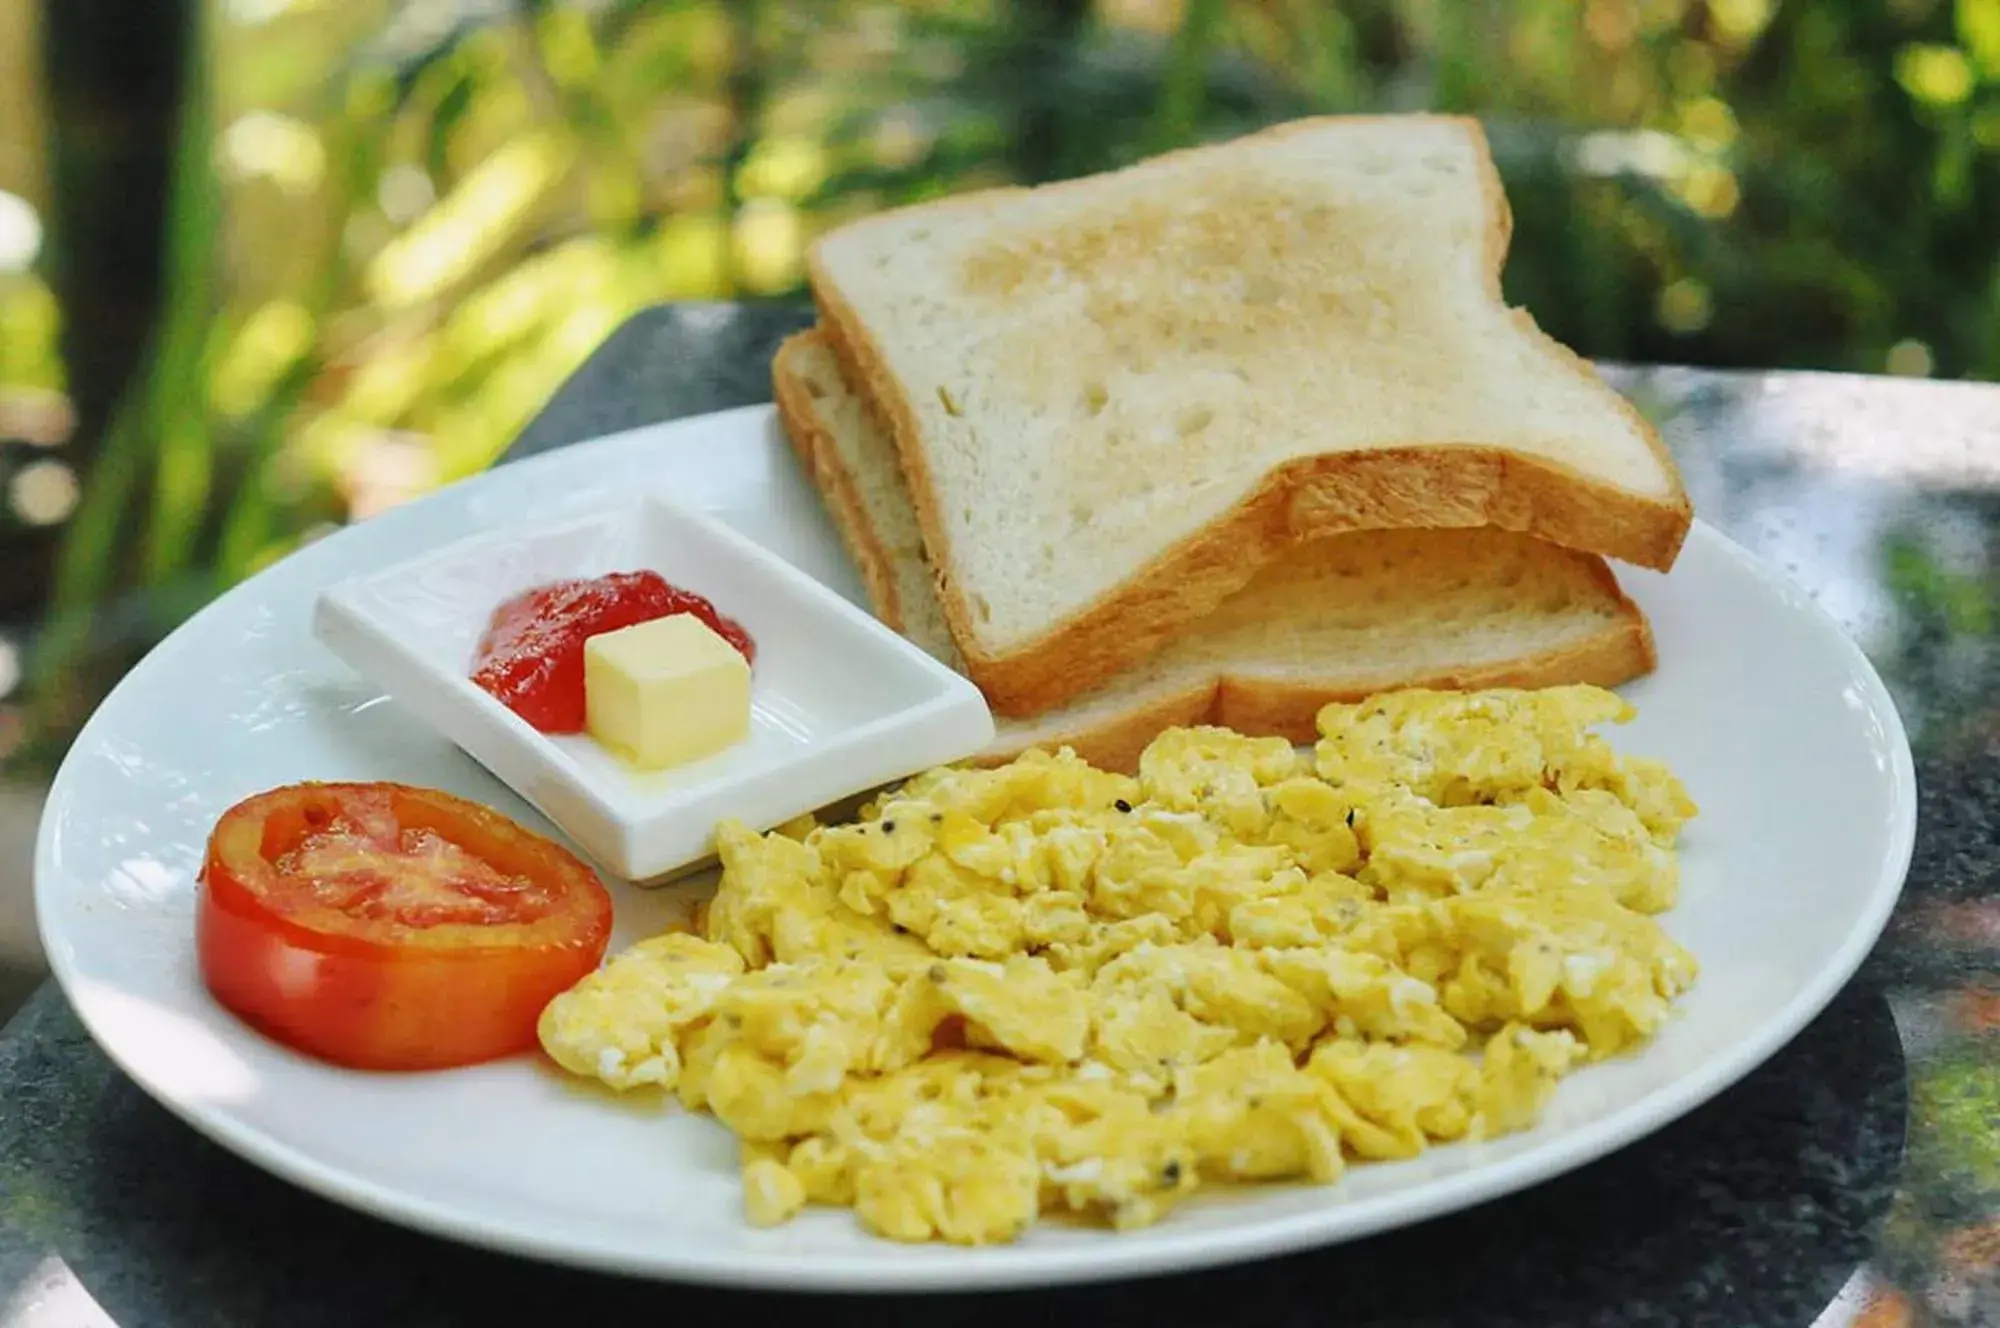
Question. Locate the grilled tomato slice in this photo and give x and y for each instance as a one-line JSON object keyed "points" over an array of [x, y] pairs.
{"points": [[385, 927]]}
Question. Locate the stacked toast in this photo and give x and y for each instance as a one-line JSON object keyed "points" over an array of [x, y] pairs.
{"points": [[1223, 437]]}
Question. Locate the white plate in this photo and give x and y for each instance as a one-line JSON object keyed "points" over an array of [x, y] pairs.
{"points": [[841, 704], [1780, 728]]}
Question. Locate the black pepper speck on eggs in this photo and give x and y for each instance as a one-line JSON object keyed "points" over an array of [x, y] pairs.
{"points": [[888, 827], [1122, 805]]}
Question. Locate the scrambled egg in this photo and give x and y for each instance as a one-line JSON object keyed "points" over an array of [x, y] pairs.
{"points": [[1045, 988]]}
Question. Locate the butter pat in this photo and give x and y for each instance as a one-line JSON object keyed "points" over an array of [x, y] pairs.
{"points": [[666, 692]]}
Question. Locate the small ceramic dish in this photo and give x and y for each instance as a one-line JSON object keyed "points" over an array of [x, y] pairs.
{"points": [[839, 703]]}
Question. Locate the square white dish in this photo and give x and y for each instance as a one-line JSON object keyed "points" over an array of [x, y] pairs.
{"points": [[839, 703]]}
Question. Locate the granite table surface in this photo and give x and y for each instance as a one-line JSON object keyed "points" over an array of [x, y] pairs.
{"points": [[1852, 1180]]}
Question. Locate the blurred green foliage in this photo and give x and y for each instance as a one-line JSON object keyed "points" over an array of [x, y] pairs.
{"points": [[398, 227]]}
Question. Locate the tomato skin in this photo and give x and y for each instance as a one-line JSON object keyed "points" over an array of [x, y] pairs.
{"points": [[385, 995]]}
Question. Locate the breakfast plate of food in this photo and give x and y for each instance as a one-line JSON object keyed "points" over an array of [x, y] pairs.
{"points": [[1191, 731]]}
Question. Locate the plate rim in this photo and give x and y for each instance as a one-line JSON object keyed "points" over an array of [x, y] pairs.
{"points": [[1001, 1267]]}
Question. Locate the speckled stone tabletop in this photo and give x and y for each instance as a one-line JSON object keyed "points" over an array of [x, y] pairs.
{"points": [[1853, 1180]]}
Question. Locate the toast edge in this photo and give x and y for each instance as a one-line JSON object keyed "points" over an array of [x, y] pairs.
{"points": [[1264, 707], [800, 422], [1416, 486]]}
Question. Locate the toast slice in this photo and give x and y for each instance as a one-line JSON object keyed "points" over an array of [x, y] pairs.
{"points": [[1117, 398], [1337, 619]]}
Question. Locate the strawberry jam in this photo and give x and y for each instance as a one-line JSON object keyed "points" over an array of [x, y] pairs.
{"points": [[531, 657]]}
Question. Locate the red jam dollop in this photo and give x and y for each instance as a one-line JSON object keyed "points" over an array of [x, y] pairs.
{"points": [[531, 657]]}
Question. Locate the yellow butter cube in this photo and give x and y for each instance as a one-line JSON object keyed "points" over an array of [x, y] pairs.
{"points": [[666, 692]]}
